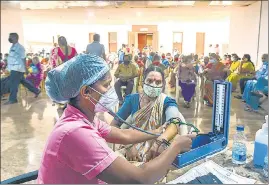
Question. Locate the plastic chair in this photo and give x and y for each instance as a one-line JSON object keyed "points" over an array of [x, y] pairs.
{"points": [[27, 177]]}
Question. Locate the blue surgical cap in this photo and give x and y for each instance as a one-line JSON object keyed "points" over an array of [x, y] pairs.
{"points": [[65, 81]]}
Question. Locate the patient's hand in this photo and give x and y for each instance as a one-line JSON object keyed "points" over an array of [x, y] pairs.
{"points": [[132, 154], [154, 151]]}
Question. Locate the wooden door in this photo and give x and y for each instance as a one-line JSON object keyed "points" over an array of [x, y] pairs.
{"points": [[200, 43], [142, 41], [155, 41], [131, 38], [91, 37], [112, 41], [178, 41]]}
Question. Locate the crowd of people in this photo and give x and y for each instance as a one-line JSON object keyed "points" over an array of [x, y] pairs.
{"points": [[77, 149]]}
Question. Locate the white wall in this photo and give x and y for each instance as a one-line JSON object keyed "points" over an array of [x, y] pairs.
{"points": [[216, 32], [244, 31], [263, 45], [77, 24], [10, 22], [237, 27]]}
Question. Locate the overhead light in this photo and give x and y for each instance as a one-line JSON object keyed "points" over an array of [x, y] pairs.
{"points": [[102, 3], [220, 3], [14, 1]]}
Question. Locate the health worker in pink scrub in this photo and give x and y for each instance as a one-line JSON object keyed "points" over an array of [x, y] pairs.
{"points": [[77, 151]]}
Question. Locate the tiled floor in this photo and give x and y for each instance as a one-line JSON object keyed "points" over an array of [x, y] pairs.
{"points": [[26, 126]]}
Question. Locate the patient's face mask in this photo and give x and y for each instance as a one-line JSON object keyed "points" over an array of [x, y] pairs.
{"points": [[107, 102], [212, 60], [152, 90]]}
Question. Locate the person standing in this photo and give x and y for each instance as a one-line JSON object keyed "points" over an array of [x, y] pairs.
{"points": [[125, 73], [95, 48], [17, 68]]}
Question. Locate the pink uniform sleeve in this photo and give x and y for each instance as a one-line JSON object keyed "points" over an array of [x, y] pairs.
{"points": [[86, 151]]}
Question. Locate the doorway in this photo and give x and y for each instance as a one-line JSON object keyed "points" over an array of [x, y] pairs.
{"points": [[144, 39], [177, 41], [200, 43]]}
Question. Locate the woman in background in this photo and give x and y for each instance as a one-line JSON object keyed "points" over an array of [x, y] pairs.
{"points": [[187, 79], [35, 72], [215, 70], [148, 110], [62, 53], [245, 69]]}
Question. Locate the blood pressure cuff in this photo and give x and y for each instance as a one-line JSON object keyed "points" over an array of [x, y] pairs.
{"points": [[206, 179]]}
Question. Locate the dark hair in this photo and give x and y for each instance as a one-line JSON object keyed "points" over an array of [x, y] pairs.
{"points": [[123, 45], [214, 55], [247, 56], [15, 35], [157, 69], [156, 57], [187, 58], [96, 37], [62, 41]]}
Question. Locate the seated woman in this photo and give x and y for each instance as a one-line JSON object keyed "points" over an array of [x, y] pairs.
{"points": [[187, 79], [148, 110], [77, 151], [256, 88], [227, 60], [35, 75], [174, 70], [215, 70], [156, 61], [244, 70]]}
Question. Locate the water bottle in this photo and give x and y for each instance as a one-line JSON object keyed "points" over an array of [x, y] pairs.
{"points": [[265, 166], [261, 144], [239, 153]]}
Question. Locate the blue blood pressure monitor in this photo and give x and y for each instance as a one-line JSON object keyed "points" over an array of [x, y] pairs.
{"points": [[215, 141]]}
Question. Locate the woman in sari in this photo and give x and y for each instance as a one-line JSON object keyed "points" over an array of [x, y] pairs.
{"points": [[148, 110], [244, 69], [257, 87], [215, 70], [62, 53], [35, 72], [187, 79]]}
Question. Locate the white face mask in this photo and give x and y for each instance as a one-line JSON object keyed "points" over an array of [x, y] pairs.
{"points": [[212, 61], [108, 101], [152, 91]]}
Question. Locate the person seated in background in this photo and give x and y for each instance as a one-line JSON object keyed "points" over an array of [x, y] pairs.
{"points": [[257, 86], [234, 65], [187, 79], [244, 70], [149, 59], [125, 74], [156, 61], [35, 71], [227, 61], [261, 73], [165, 61], [174, 70], [215, 70], [196, 63], [148, 110], [5, 58]]}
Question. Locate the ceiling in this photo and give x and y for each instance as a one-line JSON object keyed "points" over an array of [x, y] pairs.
{"points": [[31, 5]]}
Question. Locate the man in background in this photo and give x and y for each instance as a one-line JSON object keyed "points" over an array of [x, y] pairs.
{"points": [[16, 66], [125, 75], [95, 48]]}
